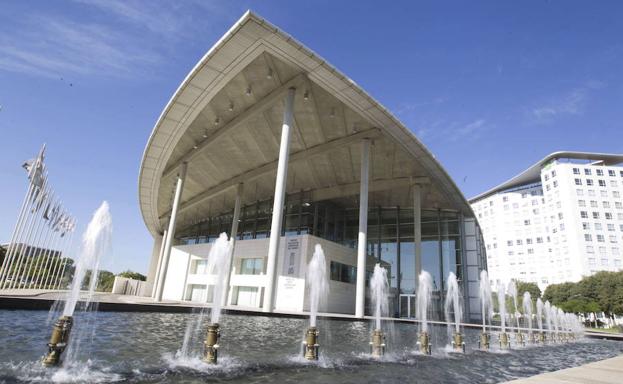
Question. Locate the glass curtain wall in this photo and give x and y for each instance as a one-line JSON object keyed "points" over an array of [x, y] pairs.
{"points": [[390, 238]]}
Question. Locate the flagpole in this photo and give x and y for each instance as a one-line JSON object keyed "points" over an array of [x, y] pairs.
{"points": [[38, 259], [57, 264], [53, 260], [31, 251], [19, 227], [20, 252], [49, 241], [36, 179], [49, 260], [62, 274]]}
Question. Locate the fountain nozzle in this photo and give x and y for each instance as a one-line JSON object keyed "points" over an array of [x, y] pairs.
{"points": [[542, 338], [424, 343], [377, 344], [457, 342], [519, 339], [58, 341], [504, 341], [485, 341], [310, 345], [210, 351]]}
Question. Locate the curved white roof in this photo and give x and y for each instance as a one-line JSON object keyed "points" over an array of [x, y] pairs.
{"points": [[225, 119], [533, 173]]}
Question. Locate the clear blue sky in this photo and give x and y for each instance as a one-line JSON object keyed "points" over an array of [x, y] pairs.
{"points": [[489, 87]]}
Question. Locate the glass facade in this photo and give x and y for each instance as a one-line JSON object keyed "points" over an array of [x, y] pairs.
{"points": [[390, 238]]}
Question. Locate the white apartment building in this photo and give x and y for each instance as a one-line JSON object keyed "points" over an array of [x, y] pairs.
{"points": [[559, 220]]}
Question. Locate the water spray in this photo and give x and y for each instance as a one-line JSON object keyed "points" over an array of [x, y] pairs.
{"points": [[316, 280], [424, 295], [58, 341], [485, 341]]}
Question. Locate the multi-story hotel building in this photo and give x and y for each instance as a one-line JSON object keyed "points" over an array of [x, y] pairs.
{"points": [[559, 220], [266, 141]]}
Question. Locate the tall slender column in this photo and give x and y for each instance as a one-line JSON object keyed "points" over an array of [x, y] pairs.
{"points": [[362, 240], [417, 229], [179, 188], [232, 238], [280, 192], [158, 265]]}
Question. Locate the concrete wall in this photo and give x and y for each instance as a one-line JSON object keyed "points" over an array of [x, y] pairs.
{"points": [[294, 254], [125, 286]]}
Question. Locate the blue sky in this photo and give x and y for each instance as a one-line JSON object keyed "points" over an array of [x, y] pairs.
{"points": [[489, 87]]}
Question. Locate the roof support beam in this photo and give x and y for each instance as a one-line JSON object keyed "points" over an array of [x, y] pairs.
{"points": [[272, 166], [352, 189], [264, 104]]}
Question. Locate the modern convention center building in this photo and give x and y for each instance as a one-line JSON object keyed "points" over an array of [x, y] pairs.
{"points": [[267, 141]]}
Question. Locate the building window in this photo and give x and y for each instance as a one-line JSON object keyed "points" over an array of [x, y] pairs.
{"points": [[519, 242], [576, 171], [579, 192], [611, 172], [253, 266], [505, 198], [603, 193], [601, 239], [610, 227], [586, 226], [584, 214], [602, 183], [344, 273], [509, 243], [578, 182], [546, 177], [528, 241], [587, 171], [539, 240], [595, 215], [618, 205], [554, 173], [598, 226], [588, 237], [600, 172], [589, 182], [616, 194], [589, 249], [526, 222], [582, 203], [593, 203], [613, 183], [612, 238], [608, 216]]}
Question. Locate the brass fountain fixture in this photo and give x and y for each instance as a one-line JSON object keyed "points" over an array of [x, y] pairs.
{"points": [[424, 343], [310, 345], [485, 341], [542, 338], [210, 345], [377, 344], [58, 341], [520, 339], [457, 342], [504, 341], [532, 338]]}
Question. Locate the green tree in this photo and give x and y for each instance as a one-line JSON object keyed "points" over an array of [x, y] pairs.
{"points": [[522, 286], [105, 281], [133, 275]]}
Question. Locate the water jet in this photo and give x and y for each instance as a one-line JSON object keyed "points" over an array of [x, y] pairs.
{"points": [[318, 290], [424, 294], [379, 288], [504, 341], [487, 309], [452, 300]]}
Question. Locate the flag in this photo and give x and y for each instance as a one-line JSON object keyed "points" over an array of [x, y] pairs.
{"points": [[46, 211]]}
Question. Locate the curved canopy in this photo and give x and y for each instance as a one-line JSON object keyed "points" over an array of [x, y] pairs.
{"points": [[225, 118]]}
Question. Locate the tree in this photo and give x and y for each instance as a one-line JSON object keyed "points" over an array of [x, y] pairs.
{"points": [[105, 281], [133, 275], [2, 254], [522, 286]]}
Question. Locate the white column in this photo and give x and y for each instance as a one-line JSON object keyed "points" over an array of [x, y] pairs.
{"points": [[154, 283], [171, 231], [362, 240], [417, 229], [280, 191], [232, 237]]}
